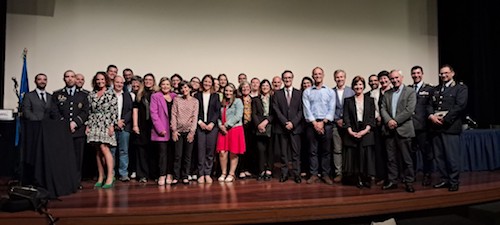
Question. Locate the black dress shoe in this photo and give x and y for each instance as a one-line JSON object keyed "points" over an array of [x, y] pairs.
{"points": [[359, 185], [389, 185], [297, 179], [267, 177], [261, 177], [426, 181], [283, 179], [367, 184], [80, 187], [442, 184], [409, 188], [453, 187]]}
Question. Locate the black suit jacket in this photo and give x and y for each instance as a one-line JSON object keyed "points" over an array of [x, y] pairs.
{"points": [[33, 108], [128, 105], [285, 113], [351, 120], [258, 112], [71, 108], [422, 108], [453, 100], [213, 113]]}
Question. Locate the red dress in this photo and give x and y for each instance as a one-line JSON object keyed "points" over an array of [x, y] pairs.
{"points": [[233, 141]]}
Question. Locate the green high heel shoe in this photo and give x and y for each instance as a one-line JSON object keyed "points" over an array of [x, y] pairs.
{"points": [[107, 186], [99, 184]]}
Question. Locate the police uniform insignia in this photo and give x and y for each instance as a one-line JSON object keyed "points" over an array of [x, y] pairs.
{"points": [[61, 98], [80, 105]]}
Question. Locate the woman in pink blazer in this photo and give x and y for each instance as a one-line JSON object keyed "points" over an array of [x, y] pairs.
{"points": [[160, 109]]}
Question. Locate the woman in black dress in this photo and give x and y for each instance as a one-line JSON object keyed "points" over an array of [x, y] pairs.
{"points": [[359, 119]]}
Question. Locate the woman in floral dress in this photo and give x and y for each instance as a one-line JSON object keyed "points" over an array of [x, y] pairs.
{"points": [[100, 127]]}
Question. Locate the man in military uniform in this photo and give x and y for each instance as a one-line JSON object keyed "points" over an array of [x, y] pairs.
{"points": [[72, 105], [79, 82], [421, 142], [449, 101]]}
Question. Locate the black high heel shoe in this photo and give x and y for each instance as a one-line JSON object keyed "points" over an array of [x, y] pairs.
{"points": [[360, 185]]}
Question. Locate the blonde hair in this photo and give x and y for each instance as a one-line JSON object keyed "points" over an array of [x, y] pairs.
{"points": [[141, 91]]}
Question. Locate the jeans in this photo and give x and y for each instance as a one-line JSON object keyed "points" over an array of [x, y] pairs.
{"points": [[122, 138]]}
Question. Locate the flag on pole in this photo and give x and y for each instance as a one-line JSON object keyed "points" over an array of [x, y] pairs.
{"points": [[22, 90]]}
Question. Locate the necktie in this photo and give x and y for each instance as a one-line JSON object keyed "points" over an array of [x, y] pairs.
{"points": [[42, 97], [416, 88], [70, 92], [288, 98]]}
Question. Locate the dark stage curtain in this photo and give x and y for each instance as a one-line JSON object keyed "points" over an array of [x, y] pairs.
{"points": [[468, 34], [49, 157]]}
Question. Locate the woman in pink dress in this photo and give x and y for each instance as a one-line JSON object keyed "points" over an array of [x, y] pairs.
{"points": [[231, 138]]}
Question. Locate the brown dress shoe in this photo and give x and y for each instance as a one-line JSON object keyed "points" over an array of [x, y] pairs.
{"points": [[313, 179], [327, 180]]}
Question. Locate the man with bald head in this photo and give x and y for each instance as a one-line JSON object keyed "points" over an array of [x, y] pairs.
{"points": [[123, 127], [277, 83], [79, 82]]}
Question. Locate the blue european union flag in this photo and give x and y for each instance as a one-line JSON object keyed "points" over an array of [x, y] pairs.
{"points": [[23, 89]]}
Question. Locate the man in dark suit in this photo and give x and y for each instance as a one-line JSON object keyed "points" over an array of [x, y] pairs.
{"points": [[72, 105], [123, 127], [396, 110], [421, 142], [287, 106], [36, 104], [35, 107], [448, 101]]}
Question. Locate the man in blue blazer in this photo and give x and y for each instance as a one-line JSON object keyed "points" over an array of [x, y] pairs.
{"points": [[342, 91]]}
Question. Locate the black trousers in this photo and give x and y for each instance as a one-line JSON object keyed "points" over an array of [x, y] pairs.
{"points": [[79, 146], [399, 154], [422, 143], [380, 154], [206, 150], [162, 147], [264, 153], [182, 158], [142, 164], [290, 152], [319, 150]]}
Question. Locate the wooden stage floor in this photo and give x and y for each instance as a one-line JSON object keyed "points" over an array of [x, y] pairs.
{"points": [[250, 201]]}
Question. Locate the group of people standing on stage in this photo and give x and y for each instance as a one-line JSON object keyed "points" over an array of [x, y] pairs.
{"points": [[177, 128]]}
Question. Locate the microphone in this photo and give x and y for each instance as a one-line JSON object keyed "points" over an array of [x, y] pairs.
{"points": [[471, 121], [15, 82]]}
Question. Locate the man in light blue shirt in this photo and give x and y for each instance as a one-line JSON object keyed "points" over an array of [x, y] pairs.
{"points": [[319, 110]]}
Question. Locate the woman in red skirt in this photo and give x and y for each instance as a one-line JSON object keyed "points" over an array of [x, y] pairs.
{"points": [[231, 138]]}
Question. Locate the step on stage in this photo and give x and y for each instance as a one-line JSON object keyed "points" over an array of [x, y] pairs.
{"points": [[250, 201]]}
